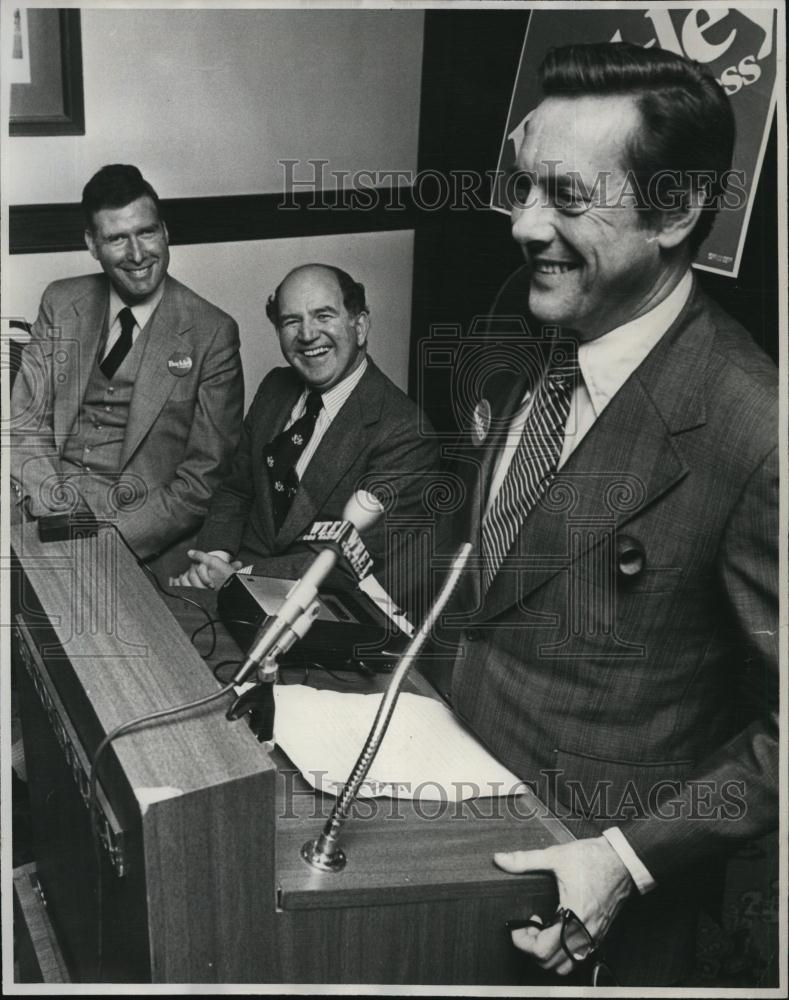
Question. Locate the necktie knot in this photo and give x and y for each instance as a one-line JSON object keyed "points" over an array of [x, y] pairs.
{"points": [[314, 404], [122, 345], [127, 321], [563, 366]]}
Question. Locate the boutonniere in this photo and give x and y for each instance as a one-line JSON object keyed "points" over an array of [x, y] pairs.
{"points": [[481, 422]]}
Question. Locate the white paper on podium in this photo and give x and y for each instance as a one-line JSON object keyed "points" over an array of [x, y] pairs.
{"points": [[370, 586], [425, 754]]}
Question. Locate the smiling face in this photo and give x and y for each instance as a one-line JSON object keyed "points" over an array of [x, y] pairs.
{"points": [[595, 262], [318, 337], [131, 244]]}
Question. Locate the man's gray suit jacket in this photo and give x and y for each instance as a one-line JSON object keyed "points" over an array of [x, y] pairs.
{"points": [[646, 700], [379, 439], [182, 429]]}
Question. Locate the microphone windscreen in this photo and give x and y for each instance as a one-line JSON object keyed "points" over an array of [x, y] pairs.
{"points": [[362, 510]]}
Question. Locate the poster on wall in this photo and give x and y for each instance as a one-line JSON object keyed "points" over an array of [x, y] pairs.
{"points": [[735, 45]]}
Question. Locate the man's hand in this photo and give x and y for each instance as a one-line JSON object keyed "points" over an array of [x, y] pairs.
{"points": [[592, 882], [208, 570]]}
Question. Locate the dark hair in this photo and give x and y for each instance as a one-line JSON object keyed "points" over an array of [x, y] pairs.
{"points": [[114, 186], [352, 292], [688, 124]]}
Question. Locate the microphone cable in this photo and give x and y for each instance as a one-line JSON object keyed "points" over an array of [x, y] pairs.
{"points": [[187, 600], [93, 811], [125, 727], [213, 622]]}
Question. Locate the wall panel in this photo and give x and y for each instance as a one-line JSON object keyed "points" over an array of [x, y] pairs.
{"points": [[238, 277]]}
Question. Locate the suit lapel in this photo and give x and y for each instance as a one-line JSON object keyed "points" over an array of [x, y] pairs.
{"points": [[604, 483], [81, 340], [475, 463], [628, 460], [339, 448], [154, 382]]}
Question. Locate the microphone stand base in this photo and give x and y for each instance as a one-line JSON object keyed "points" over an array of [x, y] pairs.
{"points": [[320, 859]]}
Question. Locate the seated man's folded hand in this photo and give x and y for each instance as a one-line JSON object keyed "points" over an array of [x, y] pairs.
{"points": [[208, 571]]}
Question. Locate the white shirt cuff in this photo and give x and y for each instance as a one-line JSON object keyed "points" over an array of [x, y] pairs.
{"points": [[228, 558], [638, 871]]}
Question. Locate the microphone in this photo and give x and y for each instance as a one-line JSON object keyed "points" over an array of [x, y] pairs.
{"points": [[284, 628], [344, 538]]}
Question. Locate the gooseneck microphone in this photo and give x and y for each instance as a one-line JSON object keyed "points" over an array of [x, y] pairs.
{"points": [[293, 619]]}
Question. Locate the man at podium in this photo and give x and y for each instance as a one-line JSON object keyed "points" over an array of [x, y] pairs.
{"points": [[620, 646]]}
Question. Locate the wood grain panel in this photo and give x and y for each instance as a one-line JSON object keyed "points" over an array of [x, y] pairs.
{"points": [[451, 942], [405, 851], [218, 849], [215, 824], [187, 790], [126, 649], [36, 948]]}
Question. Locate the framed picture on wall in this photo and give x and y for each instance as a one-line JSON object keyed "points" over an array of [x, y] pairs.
{"points": [[48, 43]]}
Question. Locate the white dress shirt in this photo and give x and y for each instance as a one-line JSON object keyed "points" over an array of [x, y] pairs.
{"points": [[605, 365], [142, 312], [333, 401]]}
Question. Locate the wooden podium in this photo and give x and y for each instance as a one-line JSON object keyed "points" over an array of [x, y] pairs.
{"points": [[195, 875]]}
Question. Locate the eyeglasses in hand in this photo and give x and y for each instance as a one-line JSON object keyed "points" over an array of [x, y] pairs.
{"points": [[576, 941]]}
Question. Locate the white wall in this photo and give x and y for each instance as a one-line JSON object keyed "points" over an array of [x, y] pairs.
{"points": [[207, 101], [239, 277]]}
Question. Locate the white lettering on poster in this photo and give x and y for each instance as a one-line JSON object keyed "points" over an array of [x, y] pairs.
{"points": [[695, 45]]}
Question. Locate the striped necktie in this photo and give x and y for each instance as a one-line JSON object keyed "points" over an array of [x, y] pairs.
{"points": [[534, 463]]}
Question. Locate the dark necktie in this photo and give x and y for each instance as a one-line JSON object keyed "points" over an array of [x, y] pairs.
{"points": [[122, 345], [534, 463], [282, 454]]}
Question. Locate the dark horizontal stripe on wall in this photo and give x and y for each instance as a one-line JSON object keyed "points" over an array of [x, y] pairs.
{"points": [[230, 218]]}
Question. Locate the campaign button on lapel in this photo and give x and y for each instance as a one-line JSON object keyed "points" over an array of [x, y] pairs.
{"points": [[481, 421], [179, 364]]}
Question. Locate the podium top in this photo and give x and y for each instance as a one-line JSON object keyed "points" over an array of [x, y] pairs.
{"points": [[89, 606], [90, 602]]}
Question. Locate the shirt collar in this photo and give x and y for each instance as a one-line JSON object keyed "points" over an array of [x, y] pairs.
{"points": [[142, 311], [334, 398], [607, 362]]}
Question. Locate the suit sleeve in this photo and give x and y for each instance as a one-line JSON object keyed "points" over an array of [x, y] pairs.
{"points": [[733, 795], [224, 525], [178, 507], [400, 473], [34, 463]]}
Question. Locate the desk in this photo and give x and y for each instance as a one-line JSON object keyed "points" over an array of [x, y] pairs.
{"points": [[199, 879]]}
